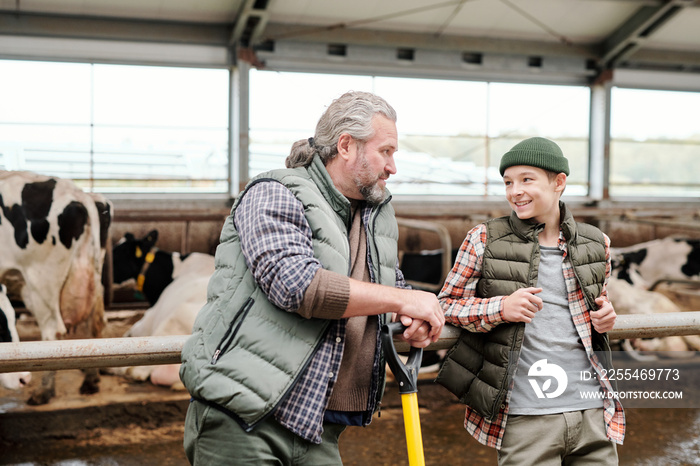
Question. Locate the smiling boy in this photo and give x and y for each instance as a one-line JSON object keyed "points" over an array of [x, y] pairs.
{"points": [[525, 289]]}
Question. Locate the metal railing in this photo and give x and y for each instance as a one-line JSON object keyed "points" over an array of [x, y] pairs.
{"points": [[445, 245], [143, 351]]}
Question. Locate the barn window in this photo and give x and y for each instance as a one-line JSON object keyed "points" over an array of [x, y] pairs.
{"points": [[451, 133], [114, 128], [655, 143]]}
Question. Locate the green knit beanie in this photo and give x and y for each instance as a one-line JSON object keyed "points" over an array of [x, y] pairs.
{"points": [[536, 152]]}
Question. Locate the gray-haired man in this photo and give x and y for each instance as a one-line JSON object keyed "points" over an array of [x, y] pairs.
{"points": [[286, 352]]}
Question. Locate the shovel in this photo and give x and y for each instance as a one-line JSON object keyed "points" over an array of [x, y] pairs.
{"points": [[407, 377]]}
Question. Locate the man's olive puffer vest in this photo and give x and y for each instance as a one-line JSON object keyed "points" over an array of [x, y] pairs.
{"points": [[479, 367], [245, 353]]}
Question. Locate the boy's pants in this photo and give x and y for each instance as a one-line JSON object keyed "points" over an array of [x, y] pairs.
{"points": [[572, 438], [214, 438]]}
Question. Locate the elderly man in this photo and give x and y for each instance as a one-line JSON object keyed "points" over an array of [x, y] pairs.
{"points": [[286, 353]]}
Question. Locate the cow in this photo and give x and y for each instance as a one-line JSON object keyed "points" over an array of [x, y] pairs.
{"points": [[176, 306], [53, 234], [646, 263], [637, 269], [151, 268], [629, 299], [8, 334]]}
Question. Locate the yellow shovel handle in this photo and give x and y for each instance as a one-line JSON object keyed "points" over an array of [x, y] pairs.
{"points": [[411, 421]]}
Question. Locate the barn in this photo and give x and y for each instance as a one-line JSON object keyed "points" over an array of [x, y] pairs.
{"points": [[168, 109]]}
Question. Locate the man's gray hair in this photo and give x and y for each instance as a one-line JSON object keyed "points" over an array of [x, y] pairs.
{"points": [[350, 113]]}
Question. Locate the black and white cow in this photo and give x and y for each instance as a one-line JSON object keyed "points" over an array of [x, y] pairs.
{"points": [[637, 268], [668, 258], [8, 334], [184, 283], [54, 234], [631, 299], [152, 268]]}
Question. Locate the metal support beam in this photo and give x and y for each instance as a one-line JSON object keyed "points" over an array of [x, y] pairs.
{"points": [[627, 39], [423, 62], [250, 23], [638, 79], [111, 51], [144, 351], [242, 126], [132, 30], [599, 148], [280, 33]]}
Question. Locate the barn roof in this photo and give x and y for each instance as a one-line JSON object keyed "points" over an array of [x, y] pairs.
{"points": [[533, 40]]}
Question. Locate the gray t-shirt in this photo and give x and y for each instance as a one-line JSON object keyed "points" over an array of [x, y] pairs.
{"points": [[553, 369]]}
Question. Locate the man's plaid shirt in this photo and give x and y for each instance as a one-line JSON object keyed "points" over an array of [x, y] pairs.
{"points": [[276, 241], [464, 309]]}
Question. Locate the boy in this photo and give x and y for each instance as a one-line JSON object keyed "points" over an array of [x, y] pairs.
{"points": [[529, 291]]}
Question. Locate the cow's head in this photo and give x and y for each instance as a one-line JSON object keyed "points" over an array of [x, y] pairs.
{"points": [[8, 334], [625, 266], [104, 211], [129, 255]]}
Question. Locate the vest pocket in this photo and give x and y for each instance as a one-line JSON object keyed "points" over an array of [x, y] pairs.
{"points": [[231, 332]]}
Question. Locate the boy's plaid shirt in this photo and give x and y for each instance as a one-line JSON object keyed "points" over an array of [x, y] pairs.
{"points": [[464, 309]]}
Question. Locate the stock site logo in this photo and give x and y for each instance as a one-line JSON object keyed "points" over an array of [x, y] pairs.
{"points": [[549, 372]]}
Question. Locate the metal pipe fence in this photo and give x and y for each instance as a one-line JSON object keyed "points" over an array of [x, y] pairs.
{"points": [[144, 351]]}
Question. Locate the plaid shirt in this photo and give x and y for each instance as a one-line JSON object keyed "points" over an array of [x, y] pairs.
{"points": [[464, 309], [276, 241]]}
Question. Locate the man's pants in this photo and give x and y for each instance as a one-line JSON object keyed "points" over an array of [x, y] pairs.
{"points": [[572, 438], [214, 438]]}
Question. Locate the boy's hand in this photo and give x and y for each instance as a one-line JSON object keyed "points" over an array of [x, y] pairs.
{"points": [[603, 319], [522, 305]]}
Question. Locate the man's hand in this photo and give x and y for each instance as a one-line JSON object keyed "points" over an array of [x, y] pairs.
{"points": [[418, 310], [422, 314], [603, 319], [521, 305]]}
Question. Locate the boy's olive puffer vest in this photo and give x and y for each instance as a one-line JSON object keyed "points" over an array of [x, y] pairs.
{"points": [[479, 367], [245, 353]]}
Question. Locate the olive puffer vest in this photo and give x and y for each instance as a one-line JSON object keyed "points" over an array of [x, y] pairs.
{"points": [[479, 367], [245, 353]]}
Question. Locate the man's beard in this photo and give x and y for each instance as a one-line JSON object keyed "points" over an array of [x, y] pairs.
{"points": [[368, 183]]}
